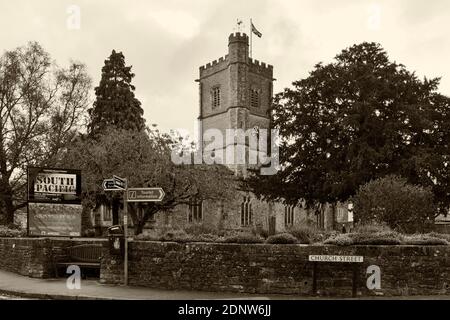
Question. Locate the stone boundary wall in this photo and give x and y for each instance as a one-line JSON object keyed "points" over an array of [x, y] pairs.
{"points": [[34, 257], [281, 269], [247, 268]]}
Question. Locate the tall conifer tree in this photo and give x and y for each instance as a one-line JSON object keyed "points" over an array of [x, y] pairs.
{"points": [[115, 104]]}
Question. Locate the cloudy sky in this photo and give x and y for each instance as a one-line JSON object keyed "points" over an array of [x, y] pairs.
{"points": [[166, 41]]}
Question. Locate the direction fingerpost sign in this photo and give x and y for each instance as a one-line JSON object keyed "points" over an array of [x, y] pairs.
{"points": [[131, 195], [120, 183], [145, 194], [108, 185], [114, 184]]}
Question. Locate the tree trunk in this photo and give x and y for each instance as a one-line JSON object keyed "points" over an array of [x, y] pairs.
{"points": [[9, 208], [141, 221], [139, 228], [334, 216], [6, 192], [115, 211], [86, 222]]}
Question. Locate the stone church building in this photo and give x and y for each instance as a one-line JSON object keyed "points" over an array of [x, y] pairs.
{"points": [[235, 92]]}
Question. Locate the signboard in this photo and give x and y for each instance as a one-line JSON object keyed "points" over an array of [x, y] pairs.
{"points": [[120, 183], [54, 185], [344, 259], [51, 219], [145, 194], [114, 184], [109, 185], [54, 202]]}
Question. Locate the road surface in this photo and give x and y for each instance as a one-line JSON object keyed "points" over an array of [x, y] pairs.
{"points": [[9, 297]]}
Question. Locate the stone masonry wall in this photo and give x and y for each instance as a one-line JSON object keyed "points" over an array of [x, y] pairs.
{"points": [[261, 268], [281, 269], [35, 257]]}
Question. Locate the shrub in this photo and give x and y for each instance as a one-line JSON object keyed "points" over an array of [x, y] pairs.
{"points": [[424, 239], [11, 233], [14, 226], [205, 238], [367, 235], [264, 233], [282, 238], [259, 231], [242, 237], [339, 240], [440, 235], [327, 234], [200, 229], [146, 237], [307, 235], [89, 233], [301, 234], [392, 200], [369, 228], [379, 234], [178, 236], [379, 238], [175, 236]]}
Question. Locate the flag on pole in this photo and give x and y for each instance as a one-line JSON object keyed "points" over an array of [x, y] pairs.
{"points": [[255, 31]]}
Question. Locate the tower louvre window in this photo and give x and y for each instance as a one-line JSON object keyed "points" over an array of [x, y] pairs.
{"points": [[215, 97], [255, 98]]}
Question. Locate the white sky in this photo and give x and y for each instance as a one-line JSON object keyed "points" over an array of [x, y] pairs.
{"points": [[166, 41]]}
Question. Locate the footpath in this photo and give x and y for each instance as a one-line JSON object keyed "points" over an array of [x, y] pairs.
{"points": [[15, 285]]}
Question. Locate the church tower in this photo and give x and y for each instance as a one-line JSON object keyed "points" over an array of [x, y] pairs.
{"points": [[235, 93]]}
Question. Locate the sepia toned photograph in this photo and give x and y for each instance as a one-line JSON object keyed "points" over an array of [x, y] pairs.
{"points": [[225, 159]]}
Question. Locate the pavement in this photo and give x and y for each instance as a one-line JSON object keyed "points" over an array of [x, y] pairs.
{"points": [[14, 286]]}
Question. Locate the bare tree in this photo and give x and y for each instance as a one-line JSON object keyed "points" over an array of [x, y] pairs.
{"points": [[41, 108]]}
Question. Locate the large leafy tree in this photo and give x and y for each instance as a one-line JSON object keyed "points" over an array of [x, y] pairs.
{"points": [[144, 158], [359, 118], [115, 104], [41, 108]]}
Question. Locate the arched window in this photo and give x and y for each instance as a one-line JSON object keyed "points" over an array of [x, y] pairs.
{"points": [[289, 212], [246, 212], [107, 212], [195, 213]]}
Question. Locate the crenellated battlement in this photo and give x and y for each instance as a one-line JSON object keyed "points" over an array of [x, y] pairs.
{"points": [[238, 37], [260, 67], [214, 66], [255, 66], [238, 53]]}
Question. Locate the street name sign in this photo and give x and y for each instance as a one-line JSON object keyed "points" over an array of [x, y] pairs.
{"points": [[345, 259], [145, 194]]}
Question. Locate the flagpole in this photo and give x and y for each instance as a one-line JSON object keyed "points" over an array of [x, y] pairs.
{"points": [[251, 41]]}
